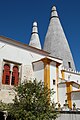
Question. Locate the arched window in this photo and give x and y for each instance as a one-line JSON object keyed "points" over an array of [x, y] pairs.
{"points": [[15, 76], [6, 75]]}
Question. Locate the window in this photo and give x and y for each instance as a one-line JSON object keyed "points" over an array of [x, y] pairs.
{"points": [[10, 74], [6, 74], [7, 79], [69, 64], [13, 80], [15, 76], [53, 82]]}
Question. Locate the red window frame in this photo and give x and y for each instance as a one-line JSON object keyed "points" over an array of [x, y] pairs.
{"points": [[6, 74], [15, 76]]}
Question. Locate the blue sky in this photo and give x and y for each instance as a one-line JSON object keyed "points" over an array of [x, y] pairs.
{"points": [[17, 16]]}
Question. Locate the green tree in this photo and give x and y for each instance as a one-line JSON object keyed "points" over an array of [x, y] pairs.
{"points": [[32, 102]]}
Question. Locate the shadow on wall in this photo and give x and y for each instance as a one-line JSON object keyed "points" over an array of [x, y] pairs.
{"points": [[38, 66]]}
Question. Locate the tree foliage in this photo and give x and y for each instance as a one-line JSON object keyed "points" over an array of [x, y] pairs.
{"points": [[32, 102], [3, 106]]}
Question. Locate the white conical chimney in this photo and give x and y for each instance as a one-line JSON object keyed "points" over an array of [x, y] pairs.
{"points": [[35, 41], [56, 42]]}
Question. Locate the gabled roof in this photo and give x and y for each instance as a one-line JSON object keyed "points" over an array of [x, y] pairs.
{"points": [[27, 47], [49, 59], [22, 45], [55, 41], [74, 84]]}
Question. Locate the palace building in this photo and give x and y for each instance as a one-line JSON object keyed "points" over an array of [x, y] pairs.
{"points": [[53, 64]]}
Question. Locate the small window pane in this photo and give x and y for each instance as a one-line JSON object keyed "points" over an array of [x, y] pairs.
{"points": [[13, 80], [53, 82], [7, 79], [69, 64]]}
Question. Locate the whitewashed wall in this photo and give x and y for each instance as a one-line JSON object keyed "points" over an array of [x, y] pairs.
{"points": [[60, 74], [69, 116], [53, 77], [74, 88], [21, 56], [70, 76], [62, 94], [75, 96], [38, 69], [7, 95]]}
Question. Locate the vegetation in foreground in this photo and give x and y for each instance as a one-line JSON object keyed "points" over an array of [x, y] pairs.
{"points": [[32, 102]]}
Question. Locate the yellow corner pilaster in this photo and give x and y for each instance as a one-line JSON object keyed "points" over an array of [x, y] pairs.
{"points": [[69, 89], [47, 75], [63, 75], [46, 62]]}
